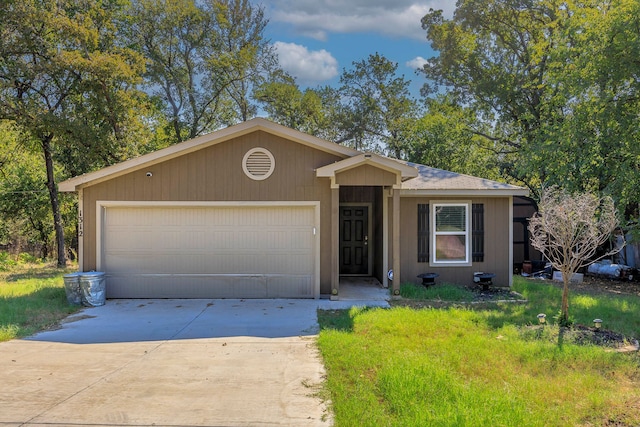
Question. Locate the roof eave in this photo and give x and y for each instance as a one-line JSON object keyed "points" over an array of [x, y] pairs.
{"points": [[502, 192], [406, 172]]}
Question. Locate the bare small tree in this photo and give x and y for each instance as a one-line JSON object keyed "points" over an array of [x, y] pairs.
{"points": [[569, 229]]}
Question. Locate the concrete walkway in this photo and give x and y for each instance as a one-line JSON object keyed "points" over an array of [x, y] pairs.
{"points": [[171, 363]]}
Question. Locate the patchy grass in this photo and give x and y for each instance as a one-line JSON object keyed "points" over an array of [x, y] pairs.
{"points": [[618, 312], [32, 298], [488, 365], [440, 292]]}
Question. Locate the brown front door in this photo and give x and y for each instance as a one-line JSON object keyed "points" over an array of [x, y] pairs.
{"points": [[354, 240]]}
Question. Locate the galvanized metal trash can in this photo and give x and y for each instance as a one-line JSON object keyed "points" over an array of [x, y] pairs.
{"points": [[72, 288], [93, 288]]}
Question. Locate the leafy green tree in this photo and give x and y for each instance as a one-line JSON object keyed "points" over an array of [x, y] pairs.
{"points": [[376, 106], [24, 203], [493, 57], [66, 83], [203, 59], [553, 84], [172, 37], [371, 110], [243, 56], [595, 69], [25, 211], [441, 138], [308, 111]]}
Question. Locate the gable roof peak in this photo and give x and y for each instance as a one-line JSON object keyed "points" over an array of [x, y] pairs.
{"points": [[405, 170], [204, 141]]}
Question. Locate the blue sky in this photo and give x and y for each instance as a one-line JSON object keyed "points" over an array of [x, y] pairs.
{"points": [[317, 39]]}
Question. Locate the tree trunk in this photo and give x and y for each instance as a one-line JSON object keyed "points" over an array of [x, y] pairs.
{"points": [[176, 129], [53, 197], [564, 315]]}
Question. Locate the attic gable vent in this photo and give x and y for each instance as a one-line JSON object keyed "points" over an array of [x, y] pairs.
{"points": [[258, 164]]}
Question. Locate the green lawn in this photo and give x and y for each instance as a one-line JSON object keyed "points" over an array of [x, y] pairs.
{"points": [[487, 366], [32, 298], [490, 365]]}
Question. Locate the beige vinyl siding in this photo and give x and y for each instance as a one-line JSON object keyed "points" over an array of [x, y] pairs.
{"points": [[496, 243], [215, 173], [366, 175]]}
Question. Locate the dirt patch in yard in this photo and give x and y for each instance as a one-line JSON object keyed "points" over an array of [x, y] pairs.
{"points": [[598, 285], [593, 285], [479, 298], [581, 334]]}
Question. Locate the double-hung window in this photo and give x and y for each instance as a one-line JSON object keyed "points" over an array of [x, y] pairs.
{"points": [[451, 238]]}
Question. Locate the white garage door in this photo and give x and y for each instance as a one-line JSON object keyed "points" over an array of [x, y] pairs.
{"points": [[224, 251]]}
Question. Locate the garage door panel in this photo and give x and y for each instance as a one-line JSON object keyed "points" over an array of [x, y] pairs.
{"points": [[123, 239], [199, 263], [223, 286], [232, 263], [210, 252], [301, 240], [185, 286], [279, 286]]}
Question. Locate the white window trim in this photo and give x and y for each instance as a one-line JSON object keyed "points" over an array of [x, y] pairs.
{"points": [[432, 233]]}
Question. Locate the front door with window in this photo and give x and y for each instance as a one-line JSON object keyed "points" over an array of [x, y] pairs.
{"points": [[354, 240]]}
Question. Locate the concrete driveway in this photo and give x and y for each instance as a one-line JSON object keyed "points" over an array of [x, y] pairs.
{"points": [[171, 363]]}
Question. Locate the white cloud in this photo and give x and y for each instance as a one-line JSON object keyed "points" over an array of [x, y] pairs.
{"points": [[417, 63], [307, 66], [396, 18]]}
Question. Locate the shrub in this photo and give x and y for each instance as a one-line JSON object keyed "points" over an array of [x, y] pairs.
{"points": [[6, 261], [26, 258]]}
